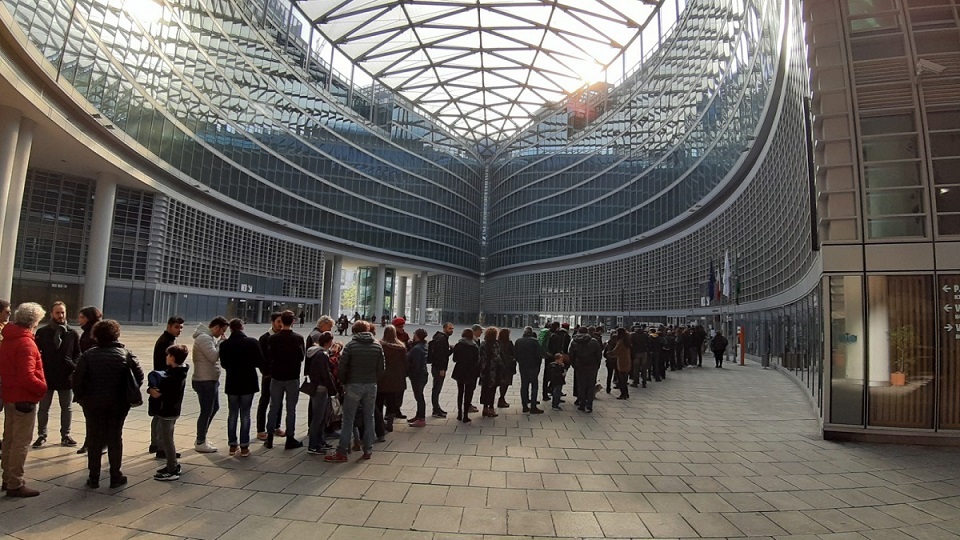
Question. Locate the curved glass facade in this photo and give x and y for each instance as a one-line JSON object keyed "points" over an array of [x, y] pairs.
{"points": [[661, 143], [221, 95], [765, 228]]}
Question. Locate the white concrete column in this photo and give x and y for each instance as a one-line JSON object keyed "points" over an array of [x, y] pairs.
{"points": [[335, 293], [400, 296], [17, 182], [98, 250], [423, 298], [9, 132], [381, 284], [878, 325], [325, 285]]}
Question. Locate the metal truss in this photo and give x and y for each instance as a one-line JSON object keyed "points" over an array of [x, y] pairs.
{"points": [[482, 67]]}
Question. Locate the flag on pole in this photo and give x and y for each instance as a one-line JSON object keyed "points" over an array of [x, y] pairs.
{"points": [[736, 285], [726, 274], [711, 281]]}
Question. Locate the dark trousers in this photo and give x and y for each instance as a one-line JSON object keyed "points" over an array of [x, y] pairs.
{"points": [[611, 374], [418, 385], [546, 380], [585, 379], [464, 397], [622, 384], [692, 356], [556, 391], [263, 405], [528, 386], [105, 429], [676, 359], [664, 361], [718, 356], [488, 394], [635, 366], [391, 402], [437, 387]]}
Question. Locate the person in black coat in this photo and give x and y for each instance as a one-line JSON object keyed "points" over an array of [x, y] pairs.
{"points": [[88, 317], [466, 371], [100, 385], [528, 358], [417, 372], [718, 345], [240, 356], [438, 354], [585, 355], [166, 340], [59, 348], [166, 399]]}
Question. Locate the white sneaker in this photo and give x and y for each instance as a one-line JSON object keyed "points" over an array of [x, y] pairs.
{"points": [[205, 448]]}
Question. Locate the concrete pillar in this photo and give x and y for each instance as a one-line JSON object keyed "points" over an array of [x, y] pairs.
{"points": [[9, 132], [335, 293], [98, 248], [381, 284], [423, 298], [326, 286], [400, 301], [14, 186]]}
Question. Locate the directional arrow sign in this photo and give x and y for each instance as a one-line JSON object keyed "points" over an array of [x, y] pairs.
{"points": [[947, 307], [948, 328], [947, 288]]}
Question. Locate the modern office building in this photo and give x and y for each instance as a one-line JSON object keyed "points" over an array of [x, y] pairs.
{"points": [[787, 168]]}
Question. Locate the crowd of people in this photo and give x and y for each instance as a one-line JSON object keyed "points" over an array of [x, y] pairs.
{"points": [[355, 390]]}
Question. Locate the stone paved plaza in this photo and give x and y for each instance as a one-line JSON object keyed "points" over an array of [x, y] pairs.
{"points": [[711, 453]]}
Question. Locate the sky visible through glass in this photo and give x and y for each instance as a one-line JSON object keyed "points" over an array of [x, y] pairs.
{"points": [[485, 68]]}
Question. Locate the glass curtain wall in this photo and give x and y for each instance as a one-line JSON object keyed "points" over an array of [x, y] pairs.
{"points": [[893, 364]]}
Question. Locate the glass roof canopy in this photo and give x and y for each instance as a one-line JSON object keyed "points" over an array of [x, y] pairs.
{"points": [[484, 68]]}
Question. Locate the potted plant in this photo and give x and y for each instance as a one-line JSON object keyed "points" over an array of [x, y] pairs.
{"points": [[903, 340]]}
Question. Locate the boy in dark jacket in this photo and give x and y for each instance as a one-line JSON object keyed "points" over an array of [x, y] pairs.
{"points": [[555, 378], [166, 396]]}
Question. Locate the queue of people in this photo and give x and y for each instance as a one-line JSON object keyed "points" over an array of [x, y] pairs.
{"points": [[355, 390]]}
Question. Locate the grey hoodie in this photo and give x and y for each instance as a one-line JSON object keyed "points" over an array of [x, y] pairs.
{"points": [[206, 355]]}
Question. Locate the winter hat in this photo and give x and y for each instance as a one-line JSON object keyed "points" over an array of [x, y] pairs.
{"points": [[398, 321]]}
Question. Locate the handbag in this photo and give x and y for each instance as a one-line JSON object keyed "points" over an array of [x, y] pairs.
{"points": [[336, 410], [309, 388], [134, 397]]}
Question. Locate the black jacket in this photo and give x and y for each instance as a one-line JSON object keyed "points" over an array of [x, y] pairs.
{"points": [[555, 374], [466, 360], [86, 338], [265, 349], [320, 369], [438, 352], [58, 362], [639, 342], [585, 352], [417, 361], [241, 356], [171, 386], [164, 342], [100, 380], [527, 352], [286, 353], [555, 344], [718, 343]]}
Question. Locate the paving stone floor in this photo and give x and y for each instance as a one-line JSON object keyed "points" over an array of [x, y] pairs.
{"points": [[709, 453]]}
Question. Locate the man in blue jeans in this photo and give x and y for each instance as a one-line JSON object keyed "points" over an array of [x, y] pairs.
{"points": [[361, 364], [206, 377], [286, 352]]}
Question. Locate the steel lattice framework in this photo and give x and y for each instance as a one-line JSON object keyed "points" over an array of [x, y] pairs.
{"points": [[482, 67]]}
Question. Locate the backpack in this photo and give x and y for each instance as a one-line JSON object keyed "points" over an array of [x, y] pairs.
{"points": [[543, 338]]}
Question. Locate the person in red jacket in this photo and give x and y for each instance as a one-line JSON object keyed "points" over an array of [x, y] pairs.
{"points": [[21, 376]]}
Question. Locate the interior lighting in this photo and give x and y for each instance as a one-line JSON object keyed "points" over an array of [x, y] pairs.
{"points": [[146, 12]]}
